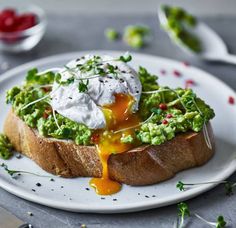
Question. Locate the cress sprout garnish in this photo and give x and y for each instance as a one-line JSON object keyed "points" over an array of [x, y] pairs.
{"points": [[183, 212], [228, 185], [13, 173], [220, 222], [92, 66], [83, 86]]}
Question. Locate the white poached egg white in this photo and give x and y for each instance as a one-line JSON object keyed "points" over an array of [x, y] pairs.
{"points": [[86, 107]]}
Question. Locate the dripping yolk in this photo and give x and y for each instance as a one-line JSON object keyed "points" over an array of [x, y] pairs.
{"points": [[118, 116]]}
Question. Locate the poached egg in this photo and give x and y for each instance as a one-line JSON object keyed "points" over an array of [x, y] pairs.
{"points": [[108, 106], [87, 107]]}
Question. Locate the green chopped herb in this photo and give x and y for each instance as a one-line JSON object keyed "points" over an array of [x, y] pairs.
{"points": [[83, 87]]}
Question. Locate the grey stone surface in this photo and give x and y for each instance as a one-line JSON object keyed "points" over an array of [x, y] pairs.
{"points": [[75, 33]]}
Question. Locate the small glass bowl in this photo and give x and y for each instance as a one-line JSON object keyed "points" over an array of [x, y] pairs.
{"points": [[25, 40]]}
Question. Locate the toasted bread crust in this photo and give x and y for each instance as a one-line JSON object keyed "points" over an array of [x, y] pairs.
{"points": [[152, 164], [59, 157], [140, 166]]}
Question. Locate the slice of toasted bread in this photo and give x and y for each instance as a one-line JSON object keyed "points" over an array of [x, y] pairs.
{"points": [[140, 166]]}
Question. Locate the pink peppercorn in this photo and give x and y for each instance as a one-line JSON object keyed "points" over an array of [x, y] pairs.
{"points": [[231, 100], [176, 73], [189, 82], [169, 116], [163, 72], [165, 122], [185, 63], [163, 106]]}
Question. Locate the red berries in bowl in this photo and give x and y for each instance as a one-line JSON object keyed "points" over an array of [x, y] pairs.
{"points": [[11, 21], [17, 25]]}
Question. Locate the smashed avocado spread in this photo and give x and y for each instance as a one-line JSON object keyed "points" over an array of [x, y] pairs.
{"points": [[5, 147], [40, 114], [178, 23], [164, 112]]}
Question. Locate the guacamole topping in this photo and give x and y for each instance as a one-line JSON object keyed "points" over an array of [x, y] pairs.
{"points": [[163, 112], [179, 22], [5, 147], [111, 34], [40, 115], [135, 35]]}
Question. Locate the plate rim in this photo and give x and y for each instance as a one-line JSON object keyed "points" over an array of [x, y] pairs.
{"points": [[137, 206]]}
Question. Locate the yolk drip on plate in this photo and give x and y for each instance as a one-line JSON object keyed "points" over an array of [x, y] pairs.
{"points": [[118, 116]]}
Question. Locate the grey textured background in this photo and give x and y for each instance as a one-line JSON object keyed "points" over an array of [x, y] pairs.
{"points": [[77, 32], [90, 7]]}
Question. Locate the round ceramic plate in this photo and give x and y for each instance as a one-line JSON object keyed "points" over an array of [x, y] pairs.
{"points": [[76, 194]]}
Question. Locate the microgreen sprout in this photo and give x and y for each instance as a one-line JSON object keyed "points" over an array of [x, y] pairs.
{"points": [[68, 81], [12, 173], [83, 86], [183, 213], [125, 58], [220, 223], [180, 185], [227, 185]]}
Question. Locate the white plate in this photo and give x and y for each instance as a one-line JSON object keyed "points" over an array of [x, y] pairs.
{"points": [[73, 196]]}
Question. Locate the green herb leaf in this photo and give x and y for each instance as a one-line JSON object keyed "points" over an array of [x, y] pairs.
{"points": [[68, 81], [220, 222], [13, 172], [10, 172], [180, 186], [83, 87], [156, 111], [125, 58], [183, 213], [31, 74], [42, 79]]}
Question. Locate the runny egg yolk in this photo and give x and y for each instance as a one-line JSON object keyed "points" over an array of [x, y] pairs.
{"points": [[118, 115]]}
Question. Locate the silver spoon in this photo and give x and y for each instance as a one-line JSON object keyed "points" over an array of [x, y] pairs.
{"points": [[214, 48]]}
